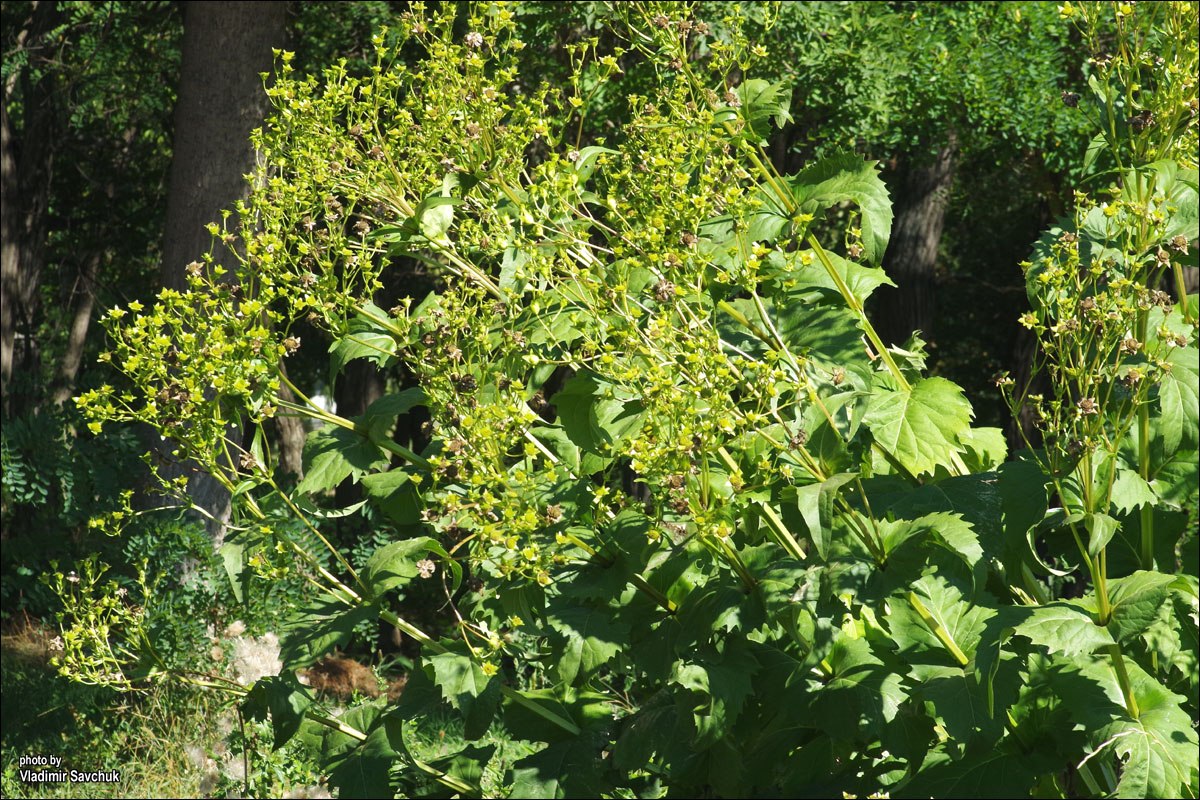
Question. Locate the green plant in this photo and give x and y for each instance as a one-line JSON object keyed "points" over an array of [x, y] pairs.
{"points": [[695, 528]]}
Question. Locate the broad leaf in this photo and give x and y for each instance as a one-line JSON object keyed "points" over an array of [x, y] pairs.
{"points": [[333, 454], [922, 425], [847, 177], [319, 627], [1063, 627], [1136, 601], [587, 639]]}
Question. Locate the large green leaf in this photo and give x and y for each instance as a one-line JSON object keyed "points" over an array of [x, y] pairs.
{"points": [[364, 338], [570, 768], [1063, 627], [983, 771], [586, 640], [595, 413], [468, 688], [921, 426], [847, 177], [283, 699], [1160, 749], [816, 507], [397, 563], [1136, 601], [333, 454], [322, 625], [720, 684], [1179, 401], [396, 494], [861, 693], [763, 102], [366, 772], [962, 621]]}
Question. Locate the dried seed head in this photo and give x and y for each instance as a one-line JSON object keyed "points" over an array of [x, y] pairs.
{"points": [[1088, 406], [291, 344], [1140, 122], [1070, 99], [426, 568], [554, 512], [661, 21], [687, 238], [248, 461], [664, 291], [474, 40], [1179, 244]]}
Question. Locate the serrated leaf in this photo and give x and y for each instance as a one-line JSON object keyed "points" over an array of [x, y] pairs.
{"points": [[396, 563], [364, 338], [920, 426], [467, 687], [395, 493], [435, 215], [1179, 401], [366, 773], [963, 622], [1130, 491], [763, 102], [594, 421], [1136, 601], [816, 507], [314, 630], [570, 768], [860, 279], [284, 699], [1160, 749], [848, 177], [983, 771], [588, 639], [986, 449], [860, 694], [721, 683], [333, 454], [1063, 627], [1101, 529]]}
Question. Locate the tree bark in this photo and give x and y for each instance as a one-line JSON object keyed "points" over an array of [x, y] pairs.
{"points": [[292, 433], [27, 164], [922, 190], [80, 322], [226, 46]]}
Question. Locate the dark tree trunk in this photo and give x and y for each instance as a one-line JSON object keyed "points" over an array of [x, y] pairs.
{"points": [[27, 164], [919, 205], [360, 384], [80, 322], [291, 433], [226, 46]]}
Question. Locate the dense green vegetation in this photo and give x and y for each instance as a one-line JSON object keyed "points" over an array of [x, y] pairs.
{"points": [[637, 480]]}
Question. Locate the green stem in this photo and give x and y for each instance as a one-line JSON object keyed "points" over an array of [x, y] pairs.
{"points": [[942, 634], [858, 310], [1118, 662], [782, 534]]}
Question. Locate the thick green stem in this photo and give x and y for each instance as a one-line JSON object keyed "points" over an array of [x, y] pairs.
{"points": [[941, 633], [1118, 662]]}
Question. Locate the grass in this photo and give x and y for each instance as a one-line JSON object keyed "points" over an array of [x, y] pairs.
{"points": [[144, 736]]}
